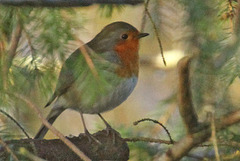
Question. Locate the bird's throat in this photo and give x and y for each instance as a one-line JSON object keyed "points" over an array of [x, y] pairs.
{"points": [[128, 55]]}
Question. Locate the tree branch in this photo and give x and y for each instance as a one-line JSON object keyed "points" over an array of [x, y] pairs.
{"points": [[68, 143], [56, 150], [66, 3], [186, 108], [203, 133], [181, 148]]}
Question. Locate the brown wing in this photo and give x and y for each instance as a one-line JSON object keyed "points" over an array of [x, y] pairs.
{"points": [[70, 71]]}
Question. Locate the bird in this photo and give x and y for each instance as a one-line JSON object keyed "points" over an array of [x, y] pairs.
{"points": [[114, 55]]}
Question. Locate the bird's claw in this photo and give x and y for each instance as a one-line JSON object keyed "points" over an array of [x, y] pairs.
{"points": [[92, 138], [109, 130]]}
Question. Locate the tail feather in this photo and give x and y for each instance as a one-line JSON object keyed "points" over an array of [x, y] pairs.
{"points": [[52, 116]]}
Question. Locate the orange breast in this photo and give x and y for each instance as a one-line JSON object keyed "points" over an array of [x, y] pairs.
{"points": [[128, 54]]}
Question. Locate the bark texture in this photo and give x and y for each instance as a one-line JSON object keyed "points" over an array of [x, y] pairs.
{"points": [[113, 147]]}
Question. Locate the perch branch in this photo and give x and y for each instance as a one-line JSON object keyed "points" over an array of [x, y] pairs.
{"points": [[56, 150], [53, 129], [66, 3]]}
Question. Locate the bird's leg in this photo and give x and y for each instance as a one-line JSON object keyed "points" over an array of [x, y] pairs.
{"points": [[90, 137], [109, 128]]}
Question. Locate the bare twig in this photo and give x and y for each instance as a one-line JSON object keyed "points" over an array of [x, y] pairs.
{"points": [[11, 118], [190, 141], [64, 3], [155, 121], [165, 117], [160, 141], [144, 17], [87, 57], [214, 139], [156, 31], [51, 128], [8, 150], [228, 120], [149, 140]]}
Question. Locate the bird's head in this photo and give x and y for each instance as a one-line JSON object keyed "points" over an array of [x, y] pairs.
{"points": [[120, 40]]}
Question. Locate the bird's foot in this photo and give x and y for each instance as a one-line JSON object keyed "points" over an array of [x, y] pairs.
{"points": [[92, 138], [114, 133]]}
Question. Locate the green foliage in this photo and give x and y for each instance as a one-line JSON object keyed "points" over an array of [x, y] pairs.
{"points": [[43, 45]]}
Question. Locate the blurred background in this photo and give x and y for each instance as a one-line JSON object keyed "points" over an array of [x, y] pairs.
{"points": [[202, 29]]}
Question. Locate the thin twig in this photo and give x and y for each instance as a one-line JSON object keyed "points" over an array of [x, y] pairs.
{"points": [[51, 128], [144, 17], [188, 142], [89, 61], [149, 140], [155, 121], [214, 139], [165, 117], [11, 118], [8, 149], [156, 31]]}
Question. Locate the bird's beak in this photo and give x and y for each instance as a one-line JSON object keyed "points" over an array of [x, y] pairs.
{"points": [[141, 35]]}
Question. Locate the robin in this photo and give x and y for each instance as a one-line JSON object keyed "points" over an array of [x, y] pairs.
{"points": [[114, 53]]}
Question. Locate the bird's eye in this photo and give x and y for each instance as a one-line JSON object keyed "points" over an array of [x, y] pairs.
{"points": [[124, 36]]}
